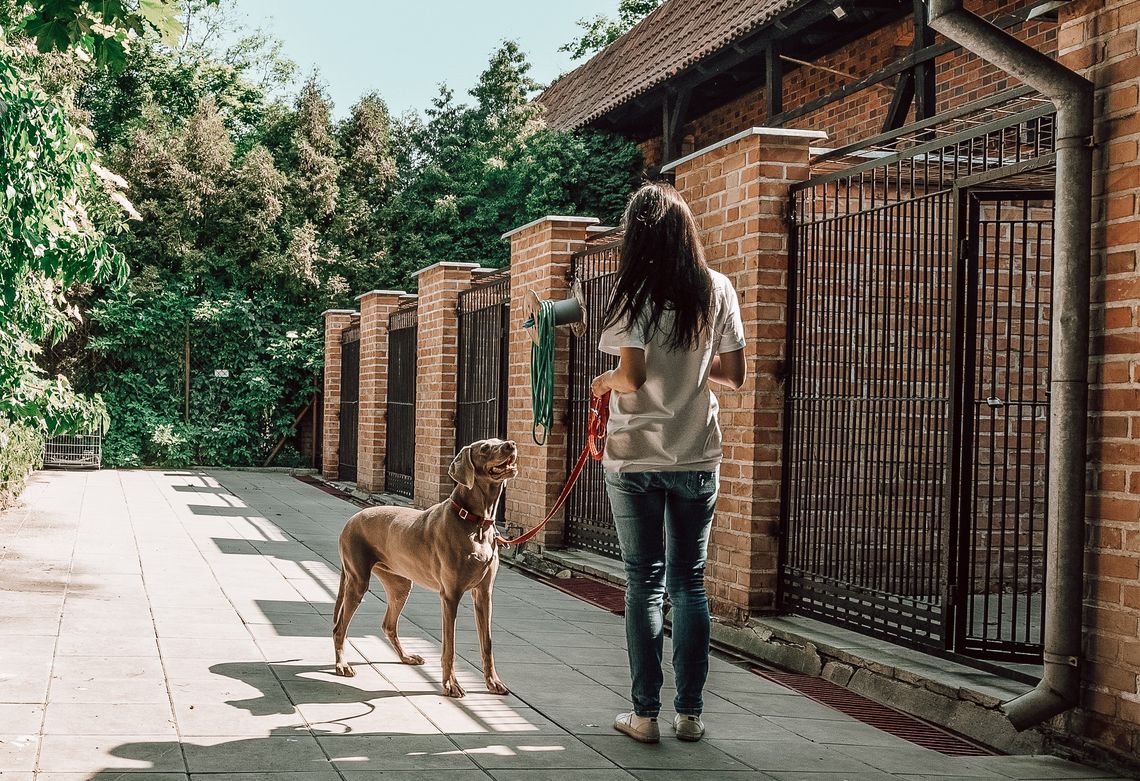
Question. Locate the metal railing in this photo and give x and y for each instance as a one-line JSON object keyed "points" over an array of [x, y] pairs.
{"points": [[349, 403], [481, 387], [892, 524], [589, 520], [400, 444]]}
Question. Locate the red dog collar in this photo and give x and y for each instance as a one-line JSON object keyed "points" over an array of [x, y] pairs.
{"points": [[469, 516]]}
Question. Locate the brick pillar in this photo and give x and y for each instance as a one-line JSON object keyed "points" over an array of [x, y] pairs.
{"points": [[438, 347], [336, 320], [375, 307], [738, 191], [540, 258], [1101, 41]]}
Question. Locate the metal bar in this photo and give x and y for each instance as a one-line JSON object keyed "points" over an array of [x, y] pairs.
{"points": [[930, 146], [898, 66]]}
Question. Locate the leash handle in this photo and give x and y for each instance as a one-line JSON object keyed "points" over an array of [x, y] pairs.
{"points": [[595, 445]]}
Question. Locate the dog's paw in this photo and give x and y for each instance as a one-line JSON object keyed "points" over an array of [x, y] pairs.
{"points": [[345, 669], [452, 688], [495, 686], [412, 659]]}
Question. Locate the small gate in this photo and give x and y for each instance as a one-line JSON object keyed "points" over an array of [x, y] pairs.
{"points": [[349, 402], [400, 444], [1000, 576], [481, 402], [916, 415], [589, 521]]}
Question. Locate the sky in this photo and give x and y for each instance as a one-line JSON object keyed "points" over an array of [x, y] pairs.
{"points": [[404, 49]]}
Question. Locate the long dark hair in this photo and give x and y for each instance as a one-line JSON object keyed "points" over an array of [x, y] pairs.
{"points": [[662, 267]]}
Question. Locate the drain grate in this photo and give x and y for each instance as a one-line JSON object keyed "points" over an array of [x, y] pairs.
{"points": [[879, 716], [596, 592], [328, 489]]}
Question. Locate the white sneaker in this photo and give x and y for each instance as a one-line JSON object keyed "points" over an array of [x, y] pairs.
{"points": [[687, 727], [641, 728]]}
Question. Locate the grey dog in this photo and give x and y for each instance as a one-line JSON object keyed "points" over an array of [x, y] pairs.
{"points": [[449, 548]]}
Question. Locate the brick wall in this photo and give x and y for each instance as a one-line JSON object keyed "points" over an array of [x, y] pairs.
{"points": [[738, 193], [1099, 39], [540, 259], [375, 308], [438, 337], [336, 320], [961, 78]]}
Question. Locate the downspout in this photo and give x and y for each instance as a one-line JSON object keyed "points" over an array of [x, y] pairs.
{"points": [[1059, 688]]}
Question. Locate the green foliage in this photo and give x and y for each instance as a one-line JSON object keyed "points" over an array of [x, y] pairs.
{"points": [[232, 420], [600, 31], [56, 211], [104, 29], [21, 450], [471, 172]]}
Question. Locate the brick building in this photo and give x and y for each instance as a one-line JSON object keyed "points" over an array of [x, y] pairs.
{"points": [[895, 212]]}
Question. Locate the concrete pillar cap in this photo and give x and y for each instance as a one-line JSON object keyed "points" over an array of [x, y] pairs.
{"points": [[778, 132], [381, 293], [339, 312], [446, 264], [552, 218]]}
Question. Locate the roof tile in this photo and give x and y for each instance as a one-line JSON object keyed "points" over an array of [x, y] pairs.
{"points": [[673, 37]]}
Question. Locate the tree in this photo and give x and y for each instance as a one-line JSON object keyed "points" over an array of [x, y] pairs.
{"points": [[600, 31], [103, 29], [57, 211]]}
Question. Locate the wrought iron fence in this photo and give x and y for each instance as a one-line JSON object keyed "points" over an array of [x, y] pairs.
{"points": [[883, 519], [481, 402], [589, 521], [349, 402], [400, 445]]}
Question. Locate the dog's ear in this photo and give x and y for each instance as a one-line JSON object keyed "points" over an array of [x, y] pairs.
{"points": [[462, 469]]}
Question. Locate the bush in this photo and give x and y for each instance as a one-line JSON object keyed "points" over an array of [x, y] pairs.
{"points": [[21, 451]]}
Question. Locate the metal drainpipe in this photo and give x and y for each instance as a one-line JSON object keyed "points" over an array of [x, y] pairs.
{"points": [[1059, 688]]}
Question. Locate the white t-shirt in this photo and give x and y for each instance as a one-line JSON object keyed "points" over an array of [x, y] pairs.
{"points": [[670, 423]]}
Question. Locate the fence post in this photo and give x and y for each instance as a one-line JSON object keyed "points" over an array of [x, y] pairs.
{"points": [[438, 347], [375, 308], [738, 191], [540, 260], [336, 320]]}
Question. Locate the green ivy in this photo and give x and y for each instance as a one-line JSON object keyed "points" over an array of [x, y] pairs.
{"points": [[21, 450]]}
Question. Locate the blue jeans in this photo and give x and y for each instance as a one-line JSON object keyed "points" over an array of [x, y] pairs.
{"points": [[663, 521]]}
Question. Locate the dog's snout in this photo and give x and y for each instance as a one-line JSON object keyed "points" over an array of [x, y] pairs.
{"points": [[509, 446]]}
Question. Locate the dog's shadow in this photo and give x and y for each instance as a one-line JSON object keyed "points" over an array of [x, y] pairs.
{"points": [[305, 684]]}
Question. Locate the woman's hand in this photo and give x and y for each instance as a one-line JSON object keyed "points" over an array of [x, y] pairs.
{"points": [[600, 384], [627, 377]]}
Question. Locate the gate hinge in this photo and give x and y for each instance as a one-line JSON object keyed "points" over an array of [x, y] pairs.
{"points": [[790, 212]]}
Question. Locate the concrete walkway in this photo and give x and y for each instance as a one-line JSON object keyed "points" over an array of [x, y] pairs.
{"points": [[176, 624]]}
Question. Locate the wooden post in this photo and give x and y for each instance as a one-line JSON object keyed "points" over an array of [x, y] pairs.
{"points": [[774, 79]]}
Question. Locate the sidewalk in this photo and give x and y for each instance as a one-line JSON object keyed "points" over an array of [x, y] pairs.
{"points": [[179, 623]]}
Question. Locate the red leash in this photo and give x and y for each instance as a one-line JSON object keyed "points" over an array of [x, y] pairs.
{"points": [[595, 444]]}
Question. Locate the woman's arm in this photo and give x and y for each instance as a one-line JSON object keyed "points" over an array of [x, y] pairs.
{"points": [[729, 369], [626, 378]]}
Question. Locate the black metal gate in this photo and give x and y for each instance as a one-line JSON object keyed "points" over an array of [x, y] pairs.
{"points": [[481, 402], [916, 421], [400, 444], [589, 521], [1000, 573], [349, 402]]}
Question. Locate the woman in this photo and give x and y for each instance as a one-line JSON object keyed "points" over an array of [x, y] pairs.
{"points": [[675, 325]]}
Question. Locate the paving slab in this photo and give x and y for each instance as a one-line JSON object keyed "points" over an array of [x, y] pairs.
{"points": [[174, 625]]}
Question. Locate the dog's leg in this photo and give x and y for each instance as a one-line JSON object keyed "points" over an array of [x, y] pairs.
{"points": [[397, 590], [481, 596], [450, 605], [352, 589]]}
